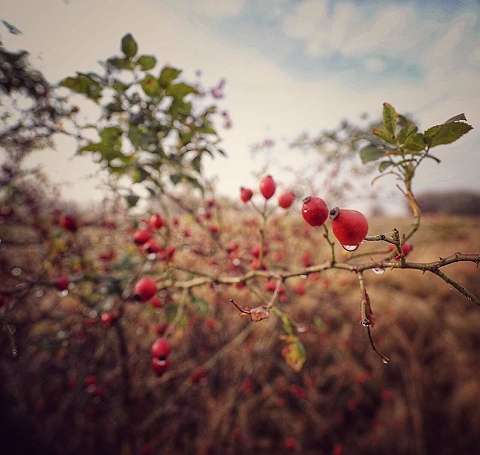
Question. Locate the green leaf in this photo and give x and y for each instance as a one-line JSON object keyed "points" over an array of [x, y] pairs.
{"points": [[415, 142], [371, 153], [384, 135], [201, 305], [110, 135], [180, 90], [132, 200], [119, 63], [147, 62], [405, 132], [385, 165], [175, 178], [84, 84], [151, 86], [446, 133], [457, 118], [168, 75], [389, 118], [129, 45], [139, 175]]}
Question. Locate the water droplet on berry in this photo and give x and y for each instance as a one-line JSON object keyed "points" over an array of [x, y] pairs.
{"points": [[301, 328], [385, 360], [39, 293], [378, 270], [14, 352], [16, 271], [350, 247], [304, 277], [63, 293]]}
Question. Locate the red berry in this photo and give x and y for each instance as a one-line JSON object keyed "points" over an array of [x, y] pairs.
{"points": [[150, 246], [199, 375], [160, 366], [350, 227], [63, 283], [142, 236], [256, 250], [156, 302], [406, 248], [108, 318], [144, 290], [245, 194], [156, 221], [286, 200], [314, 211], [161, 348], [267, 187], [69, 223]]}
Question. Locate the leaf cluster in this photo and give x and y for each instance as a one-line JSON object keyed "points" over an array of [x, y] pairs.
{"points": [[152, 129], [399, 147]]}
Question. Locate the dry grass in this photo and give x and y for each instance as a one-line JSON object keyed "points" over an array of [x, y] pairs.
{"points": [[345, 400]]}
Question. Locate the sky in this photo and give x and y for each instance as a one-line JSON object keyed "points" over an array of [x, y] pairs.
{"points": [[291, 66]]}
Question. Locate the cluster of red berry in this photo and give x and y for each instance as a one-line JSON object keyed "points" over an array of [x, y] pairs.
{"points": [[268, 188]]}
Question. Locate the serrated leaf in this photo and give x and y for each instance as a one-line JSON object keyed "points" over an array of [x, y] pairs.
{"points": [[404, 121], [457, 118], [389, 118], [147, 62], [446, 133], [384, 135], [405, 132], [129, 45], [167, 75], [371, 153], [150, 86]]}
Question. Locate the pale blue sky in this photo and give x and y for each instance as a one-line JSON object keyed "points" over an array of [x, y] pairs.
{"points": [[290, 66]]}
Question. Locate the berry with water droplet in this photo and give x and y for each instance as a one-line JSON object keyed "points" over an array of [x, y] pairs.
{"points": [[350, 227], [160, 366], [314, 211], [267, 186], [63, 283], [161, 348]]}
